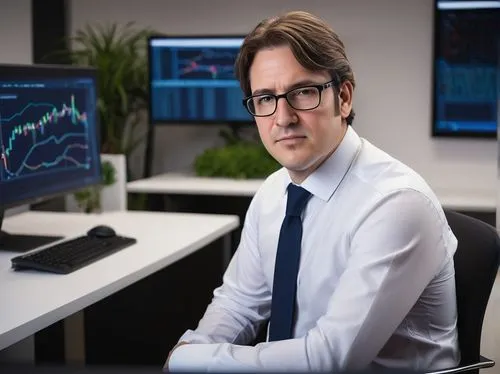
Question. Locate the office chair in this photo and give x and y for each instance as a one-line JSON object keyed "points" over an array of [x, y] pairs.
{"points": [[476, 266]]}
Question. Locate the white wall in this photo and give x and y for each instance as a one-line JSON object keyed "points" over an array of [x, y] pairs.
{"points": [[390, 45], [15, 41]]}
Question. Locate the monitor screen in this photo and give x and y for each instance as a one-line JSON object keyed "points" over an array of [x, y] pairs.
{"points": [[48, 132], [192, 80], [466, 35]]}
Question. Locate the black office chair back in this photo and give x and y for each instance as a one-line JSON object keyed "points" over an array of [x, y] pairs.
{"points": [[476, 265]]}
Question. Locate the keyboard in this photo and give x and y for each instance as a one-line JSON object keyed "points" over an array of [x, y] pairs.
{"points": [[70, 255]]}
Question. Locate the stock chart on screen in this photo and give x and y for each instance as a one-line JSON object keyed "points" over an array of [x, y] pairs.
{"points": [[193, 80], [42, 133], [47, 136], [465, 65]]}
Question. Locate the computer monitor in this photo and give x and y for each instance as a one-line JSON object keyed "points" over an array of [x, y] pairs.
{"points": [[48, 138], [192, 80], [465, 60]]}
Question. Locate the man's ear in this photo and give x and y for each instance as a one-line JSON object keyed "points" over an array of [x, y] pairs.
{"points": [[345, 94]]}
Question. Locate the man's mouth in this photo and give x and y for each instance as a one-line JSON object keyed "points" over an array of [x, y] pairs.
{"points": [[290, 138]]}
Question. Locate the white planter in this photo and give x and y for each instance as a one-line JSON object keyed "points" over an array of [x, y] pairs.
{"points": [[113, 197]]}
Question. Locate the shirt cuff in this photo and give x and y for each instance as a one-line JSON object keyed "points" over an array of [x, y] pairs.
{"points": [[191, 336], [191, 357]]}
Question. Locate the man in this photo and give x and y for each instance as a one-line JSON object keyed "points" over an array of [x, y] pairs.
{"points": [[345, 250]]}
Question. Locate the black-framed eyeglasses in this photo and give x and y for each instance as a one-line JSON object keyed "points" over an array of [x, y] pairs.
{"points": [[301, 98]]}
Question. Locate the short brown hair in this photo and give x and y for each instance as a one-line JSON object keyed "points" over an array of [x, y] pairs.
{"points": [[313, 42]]}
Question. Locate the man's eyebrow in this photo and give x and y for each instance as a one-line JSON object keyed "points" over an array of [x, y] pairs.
{"points": [[301, 83]]}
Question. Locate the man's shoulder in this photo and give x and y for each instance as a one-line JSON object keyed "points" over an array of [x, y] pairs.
{"points": [[380, 176], [389, 188], [385, 173]]}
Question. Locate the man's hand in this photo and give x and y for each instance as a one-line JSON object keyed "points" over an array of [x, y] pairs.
{"points": [[170, 354]]}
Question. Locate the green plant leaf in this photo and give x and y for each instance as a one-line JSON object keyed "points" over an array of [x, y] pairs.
{"points": [[240, 160], [89, 199], [108, 173]]}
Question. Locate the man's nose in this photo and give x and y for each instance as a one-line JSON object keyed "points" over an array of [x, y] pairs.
{"points": [[285, 114]]}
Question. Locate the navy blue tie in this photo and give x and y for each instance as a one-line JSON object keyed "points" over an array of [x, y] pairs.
{"points": [[287, 266]]}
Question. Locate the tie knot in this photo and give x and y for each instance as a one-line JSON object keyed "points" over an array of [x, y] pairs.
{"points": [[297, 198]]}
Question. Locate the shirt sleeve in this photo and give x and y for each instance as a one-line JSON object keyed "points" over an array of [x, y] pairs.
{"points": [[397, 248], [243, 301]]}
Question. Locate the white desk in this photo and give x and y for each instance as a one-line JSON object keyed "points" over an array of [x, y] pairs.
{"points": [[177, 183], [33, 300]]}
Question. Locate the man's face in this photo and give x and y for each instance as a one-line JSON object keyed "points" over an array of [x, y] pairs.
{"points": [[300, 140]]}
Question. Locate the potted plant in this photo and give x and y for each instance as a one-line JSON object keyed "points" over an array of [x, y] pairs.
{"points": [[89, 199], [119, 53], [238, 158]]}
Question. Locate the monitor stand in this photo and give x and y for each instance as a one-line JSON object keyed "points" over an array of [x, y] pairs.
{"points": [[21, 242]]}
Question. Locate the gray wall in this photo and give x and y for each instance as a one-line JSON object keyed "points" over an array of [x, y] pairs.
{"points": [[15, 31], [390, 46], [15, 41]]}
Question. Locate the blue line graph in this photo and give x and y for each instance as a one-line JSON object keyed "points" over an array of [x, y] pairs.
{"points": [[19, 114], [64, 156]]}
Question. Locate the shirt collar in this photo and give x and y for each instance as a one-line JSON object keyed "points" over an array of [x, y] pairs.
{"points": [[326, 178]]}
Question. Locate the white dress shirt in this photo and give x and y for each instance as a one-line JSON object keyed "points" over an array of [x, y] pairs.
{"points": [[376, 281]]}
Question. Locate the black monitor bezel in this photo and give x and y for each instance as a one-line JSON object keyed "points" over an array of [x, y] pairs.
{"points": [[435, 132], [154, 122], [49, 71]]}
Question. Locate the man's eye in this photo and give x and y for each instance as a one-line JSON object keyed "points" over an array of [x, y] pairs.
{"points": [[305, 92], [264, 99]]}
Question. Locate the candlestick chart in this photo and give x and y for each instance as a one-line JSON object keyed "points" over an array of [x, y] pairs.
{"points": [[42, 136]]}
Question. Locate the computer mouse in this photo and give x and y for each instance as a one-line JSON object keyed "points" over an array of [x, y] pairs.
{"points": [[101, 231]]}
